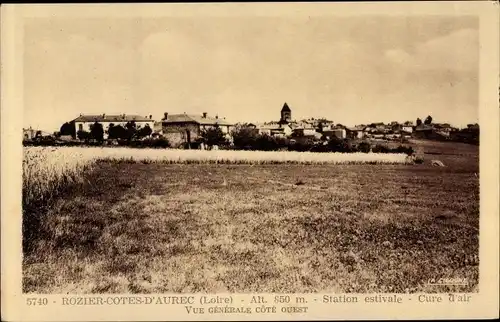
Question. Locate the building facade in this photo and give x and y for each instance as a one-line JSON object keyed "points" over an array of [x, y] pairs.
{"points": [[29, 134], [84, 122], [187, 128]]}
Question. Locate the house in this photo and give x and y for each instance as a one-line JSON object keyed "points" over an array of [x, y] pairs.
{"points": [[338, 133], [29, 134], [323, 123], [249, 128], [424, 131], [444, 128], [186, 128], [379, 127], [284, 127], [303, 128], [84, 122], [407, 128], [274, 128], [301, 131], [356, 132]]}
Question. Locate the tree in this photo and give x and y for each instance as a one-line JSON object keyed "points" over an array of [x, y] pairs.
{"points": [[364, 147], [428, 120], [213, 136], [266, 142], [320, 127], [144, 131], [117, 132], [131, 130], [110, 129], [339, 145], [97, 132], [68, 128], [419, 122], [83, 135], [244, 137]]}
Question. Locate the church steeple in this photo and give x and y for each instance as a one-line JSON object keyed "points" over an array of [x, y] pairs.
{"points": [[286, 114]]}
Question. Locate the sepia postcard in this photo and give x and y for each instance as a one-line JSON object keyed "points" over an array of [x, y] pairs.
{"points": [[250, 161]]}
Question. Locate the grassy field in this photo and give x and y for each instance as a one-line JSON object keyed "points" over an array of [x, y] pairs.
{"points": [[142, 228]]}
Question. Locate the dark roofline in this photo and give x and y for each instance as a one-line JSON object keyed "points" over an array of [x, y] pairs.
{"points": [[194, 119], [285, 108], [111, 118]]}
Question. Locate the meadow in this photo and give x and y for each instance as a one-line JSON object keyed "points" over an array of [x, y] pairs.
{"points": [[144, 221]]}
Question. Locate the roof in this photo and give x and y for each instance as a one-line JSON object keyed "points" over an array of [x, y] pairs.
{"points": [[286, 108], [272, 126], [304, 128], [112, 118], [199, 119], [356, 128]]}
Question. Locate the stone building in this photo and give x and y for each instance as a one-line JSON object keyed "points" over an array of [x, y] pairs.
{"points": [[83, 122], [29, 134], [186, 128], [286, 114]]}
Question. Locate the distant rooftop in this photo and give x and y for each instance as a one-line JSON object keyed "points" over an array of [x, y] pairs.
{"points": [[191, 118], [113, 118], [356, 128]]}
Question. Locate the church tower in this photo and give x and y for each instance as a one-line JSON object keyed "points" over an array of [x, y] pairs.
{"points": [[286, 114]]}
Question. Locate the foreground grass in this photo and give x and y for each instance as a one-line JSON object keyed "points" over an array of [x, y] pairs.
{"points": [[146, 228]]}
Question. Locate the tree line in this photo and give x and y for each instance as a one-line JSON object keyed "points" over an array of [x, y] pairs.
{"points": [[128, 132]]}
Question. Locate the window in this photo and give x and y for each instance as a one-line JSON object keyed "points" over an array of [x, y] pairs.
{"points": [[80, 127]]}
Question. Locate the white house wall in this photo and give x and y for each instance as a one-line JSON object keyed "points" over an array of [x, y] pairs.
{"points": [[86, 125], [309, 131], [341, 134], [224, 128]]}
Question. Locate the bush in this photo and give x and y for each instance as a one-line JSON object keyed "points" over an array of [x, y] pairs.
{"points": [[117, 132], [379, 148], [151, 143], [265, 142], [161, 143], [302, 145], [244, 138], [144, 132], [403, 149], [364, 147], [320, 147], [213, 136], [83, 135], [97, 132], [418, 160], [341, 145]]}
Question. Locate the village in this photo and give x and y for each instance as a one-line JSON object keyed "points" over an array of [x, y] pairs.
{"points": [[189, 130], [242, 150]]}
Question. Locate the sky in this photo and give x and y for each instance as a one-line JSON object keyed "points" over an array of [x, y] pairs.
{"points": [[351, 70]]}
